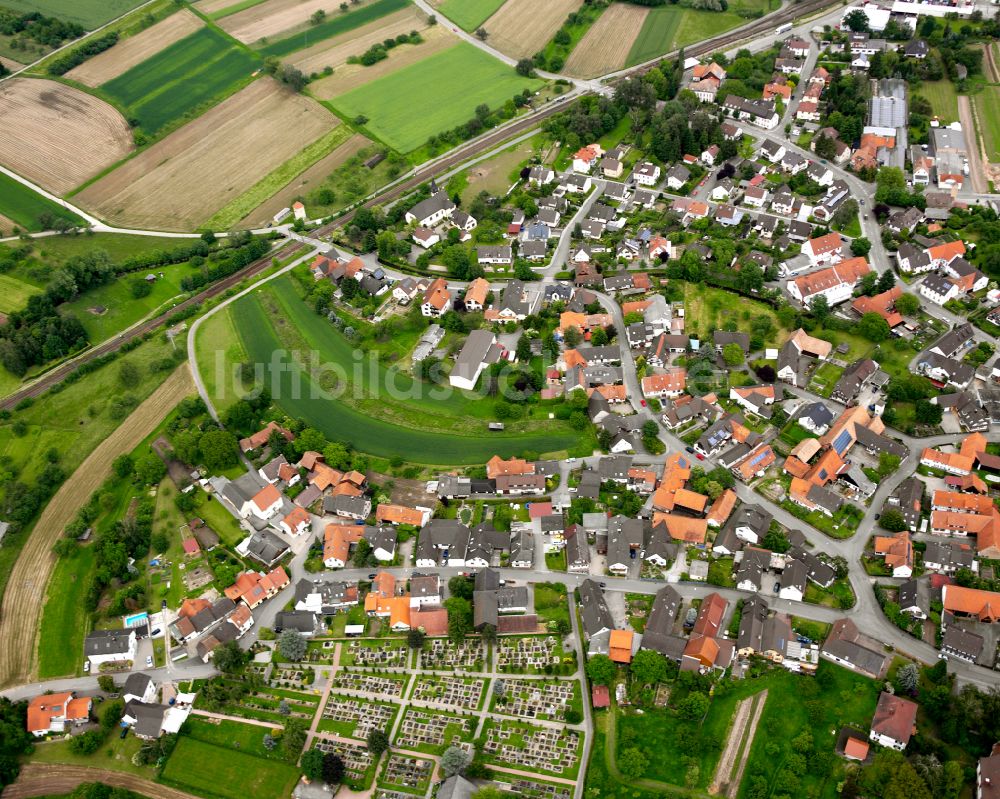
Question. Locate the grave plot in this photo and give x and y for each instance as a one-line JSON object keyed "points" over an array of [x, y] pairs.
{"points": [[357, 762], [320, 652], [292, 677], [547, 750], [440, 654], [456, 692], [378, 684], [408, 774], [530, 789], [431, 732], [355, 718], [377, 654], [528, 654], [547, 700]]}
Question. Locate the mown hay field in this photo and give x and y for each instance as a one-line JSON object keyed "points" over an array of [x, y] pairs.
{"points": [[606, 46], [469, 14], [407, 107], [181, 181], [57, 136], [182, 79], [135, 49], [523, 27]]}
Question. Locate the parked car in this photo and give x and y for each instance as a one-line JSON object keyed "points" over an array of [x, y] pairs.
{"points": [[690, 449], [699, 456], [86, 667], [149, 660]]}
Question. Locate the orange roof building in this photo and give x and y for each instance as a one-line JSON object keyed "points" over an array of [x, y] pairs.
{"points": [[261, 437], [682, 528], [856, 748], [947, 252], [514, 467], [337, 542], [983, 605], [620, 646], [670, 384], [897, 550], [296, 522], [883, 304], [722, 508], [252, 588], [401, 514], [55, 712], [477, 292], [951, 462], [192, 607]]}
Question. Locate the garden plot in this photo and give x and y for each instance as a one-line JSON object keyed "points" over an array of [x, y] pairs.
{"points": [[380, 654], [456, 692], [528, 653], [546, 700], [432, 732], [58, 136], [374, 684], [135, 49], [523, 27], [545, 749], [441, 654], [406, 773], [182, 180], [355, 718], [357, 761]]}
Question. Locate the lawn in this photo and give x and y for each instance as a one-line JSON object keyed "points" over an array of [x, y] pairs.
{"points": [[64, 619], [550, 600], [118, 246], [22, 205], [88, 13], [942, 97], [407, 107], [422, 429], [210, 770], [987, 104], [708, 309], [469, 14], [825, 378], [200, 70], [14, 293], [248, 738], [334, 25], [219, 351], [121, 309]]}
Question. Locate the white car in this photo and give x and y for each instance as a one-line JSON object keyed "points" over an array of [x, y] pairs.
{"points": [[149, 660], [86, 667]]}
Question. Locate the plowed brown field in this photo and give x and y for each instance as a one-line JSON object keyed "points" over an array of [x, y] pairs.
{"points": [[523, 27], [58, 136], [21, 611], [267, 20], [182, 180], [605, 47], [135, 49], [51, 779]]}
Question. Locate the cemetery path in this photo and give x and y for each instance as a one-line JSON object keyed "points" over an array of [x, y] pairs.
{"points": [[223, 717]]}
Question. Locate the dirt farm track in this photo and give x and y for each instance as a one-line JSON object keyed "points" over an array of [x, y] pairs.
{"points": [[58, 136], [20, 613], [49, 779]]}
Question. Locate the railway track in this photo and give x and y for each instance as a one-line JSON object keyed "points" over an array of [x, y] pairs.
{"points": [[461, 154]]}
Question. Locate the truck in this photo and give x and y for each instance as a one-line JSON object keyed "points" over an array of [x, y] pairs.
{"points": [[783, 29]]}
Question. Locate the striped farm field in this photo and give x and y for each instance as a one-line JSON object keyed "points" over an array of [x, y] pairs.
{"points": [[670, 27], [88, 13], [607, 45], [987, 104], [407, 107], [134, 50], [174, 84], [469, 14], [422, 429], [335, 51], [185, 178], [523, 27], [58, 136]]}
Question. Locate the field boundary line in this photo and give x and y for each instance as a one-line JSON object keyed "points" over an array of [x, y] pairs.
{"points": [[21, 609]]}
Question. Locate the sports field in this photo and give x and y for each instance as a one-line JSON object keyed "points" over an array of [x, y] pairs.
{"points": [[205, 66], [22, 205], [88, 13], [334, 25], [469, 14], [369, 413], [406, 108]]}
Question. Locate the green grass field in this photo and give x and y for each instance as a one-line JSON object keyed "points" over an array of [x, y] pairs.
{"points": [[239, 6], [469, 14], [14, 293], [669, 27], [421, 428], [24, 206], [219, 350], [335, 24], [210, 770], [407, 107], [119, 246], [248, 738], [64, 620], [89, 13], [987, 104], [123, 310], [942, 97], [175, 83]]}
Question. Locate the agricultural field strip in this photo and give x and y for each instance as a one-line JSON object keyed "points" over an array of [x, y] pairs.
{"points": [[469, 14], [523, 27], [135, 49], [607, 45]]}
